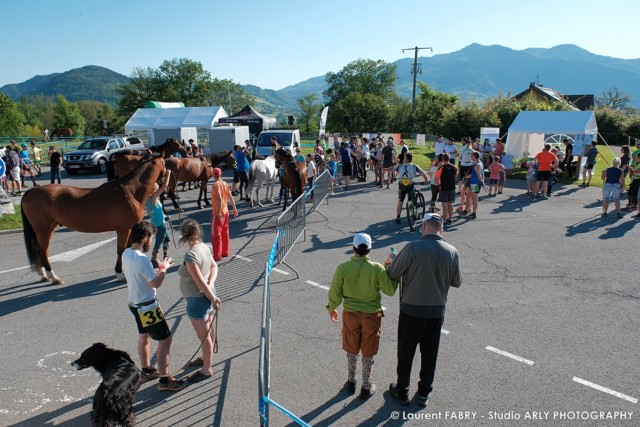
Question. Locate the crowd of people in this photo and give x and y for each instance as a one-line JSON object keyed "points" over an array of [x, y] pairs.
{"points": [[22, 162]]}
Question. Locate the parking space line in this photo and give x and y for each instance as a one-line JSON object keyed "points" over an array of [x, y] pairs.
{"points": [[243, 258], [512, 356], [605, 390], [277, 270]]}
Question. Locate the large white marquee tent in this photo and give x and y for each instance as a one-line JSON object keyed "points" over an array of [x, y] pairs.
{"points": [[532, 129], [157, 124]]}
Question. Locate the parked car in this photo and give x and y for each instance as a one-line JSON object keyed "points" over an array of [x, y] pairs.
{"points": [[289, 139], [93, 154]]}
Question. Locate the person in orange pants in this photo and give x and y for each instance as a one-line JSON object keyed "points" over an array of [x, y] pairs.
{"points": [[220, 196]]}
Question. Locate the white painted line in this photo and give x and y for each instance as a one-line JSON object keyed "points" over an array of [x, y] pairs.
{"points": [[77, 253], [277, 270], [326, 288], [512, 356], [242, 258], [444, 331], [69, 255], [317, 285], [606, 390]]}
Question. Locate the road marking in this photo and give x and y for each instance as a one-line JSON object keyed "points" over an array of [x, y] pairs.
{"points": [[243, 258], [69, 255], [444, 331], [277, 270], [326, 288], [512, 356], [606, 390]]}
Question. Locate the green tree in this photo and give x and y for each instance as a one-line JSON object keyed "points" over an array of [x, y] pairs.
{"points": [[399, 115], [309, 117], [368, 111], [67, 115], [363, 77], [186, 81], [11, 119], [612, 124], [38, 110], [430, 108], [466, 119], [145, 84], [230, 95], [615, 99], [89, 111]]}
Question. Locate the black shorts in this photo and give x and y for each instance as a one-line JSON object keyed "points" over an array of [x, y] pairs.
{"points": [[158, 332], [589, 166], [236, 177], [463, 172], [403, 191], [447, 196], [346, 169], [543, 176]]}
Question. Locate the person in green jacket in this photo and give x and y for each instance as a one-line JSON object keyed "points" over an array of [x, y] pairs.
{"points": [[357, 284]]}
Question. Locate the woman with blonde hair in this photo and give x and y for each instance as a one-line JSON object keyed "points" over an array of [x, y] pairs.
{"points": [[198, 274]]}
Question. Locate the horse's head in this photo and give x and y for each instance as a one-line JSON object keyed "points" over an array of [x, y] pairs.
{"points": [[230, 160]]}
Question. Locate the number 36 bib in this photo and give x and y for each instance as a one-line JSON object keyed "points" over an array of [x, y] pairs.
{"points": [[150, 314]]}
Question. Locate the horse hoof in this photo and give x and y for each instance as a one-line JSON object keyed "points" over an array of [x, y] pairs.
{"points": [[58, 281], [44, 279], [120, 277], [200, 207], [181, 210], [260, 204]]}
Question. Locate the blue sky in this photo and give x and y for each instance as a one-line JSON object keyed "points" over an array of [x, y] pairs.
{"points": [[277, 43]]}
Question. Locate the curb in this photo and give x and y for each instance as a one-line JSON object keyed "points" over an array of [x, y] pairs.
{"points": [[14, 231]]}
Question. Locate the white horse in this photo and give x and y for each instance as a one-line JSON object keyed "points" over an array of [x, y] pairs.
{"points": [[261, 171]]}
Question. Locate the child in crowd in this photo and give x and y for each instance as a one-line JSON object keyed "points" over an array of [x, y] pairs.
{"points": [[435, 189], [332, 166], [494, 175], [501, 181], [532, 170]]}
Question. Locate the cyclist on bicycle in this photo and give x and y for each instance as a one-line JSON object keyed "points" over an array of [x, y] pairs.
{"points": [[405, 174]]}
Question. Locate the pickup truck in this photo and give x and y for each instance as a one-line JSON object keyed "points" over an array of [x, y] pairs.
{"points": [[93, 154]]}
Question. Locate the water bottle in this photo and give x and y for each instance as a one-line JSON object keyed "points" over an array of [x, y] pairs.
{"points": [[394, 253]]}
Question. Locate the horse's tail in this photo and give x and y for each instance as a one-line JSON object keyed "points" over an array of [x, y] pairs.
{"points": [[31, 241], [299, 183]]}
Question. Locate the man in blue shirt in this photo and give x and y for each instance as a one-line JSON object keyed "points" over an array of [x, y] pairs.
{"points": [[592, 157], [242, 159], [345, 155]]}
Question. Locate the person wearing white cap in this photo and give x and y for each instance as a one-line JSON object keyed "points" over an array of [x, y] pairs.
{"points": [[357, 284], [428, 267]]}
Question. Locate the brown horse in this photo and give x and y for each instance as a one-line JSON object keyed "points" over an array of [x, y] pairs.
{"points": [[66, 132], [196, 169], [122, 162], [115, 205], [295, 175]]}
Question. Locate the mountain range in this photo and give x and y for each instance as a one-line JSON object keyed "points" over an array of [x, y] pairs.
{"points": [[475, 71]]}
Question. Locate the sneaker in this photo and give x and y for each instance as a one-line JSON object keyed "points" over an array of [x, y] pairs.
{"points": [[472, 216], [171, 384], [499, 192], [448, 222], [422, 399], [234, 193], [18, 193], [587, 184], [603, 215], [464, 212], [459, 208], [149, 373], [400, 396], [350, 386], [397, 220], [367, 393]]}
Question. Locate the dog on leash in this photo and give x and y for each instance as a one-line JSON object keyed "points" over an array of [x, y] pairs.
{"points": [[113, 401]]}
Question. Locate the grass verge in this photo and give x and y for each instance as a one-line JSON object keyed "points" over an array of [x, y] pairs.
{"points": [[11, 222]]}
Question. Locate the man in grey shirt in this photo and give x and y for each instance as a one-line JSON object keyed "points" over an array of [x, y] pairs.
{"points": [[428, 267]]}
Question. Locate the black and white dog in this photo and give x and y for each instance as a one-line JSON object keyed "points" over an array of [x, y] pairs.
{"points": [[113, 401]]}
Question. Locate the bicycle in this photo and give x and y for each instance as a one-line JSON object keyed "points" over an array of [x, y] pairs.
{"points": [[416, 207]]}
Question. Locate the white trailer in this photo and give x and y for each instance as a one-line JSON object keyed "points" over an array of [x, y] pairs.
{"points": [[226, 137]]}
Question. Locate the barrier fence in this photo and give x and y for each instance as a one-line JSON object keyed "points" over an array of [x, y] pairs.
{"points": [[291, 224]]}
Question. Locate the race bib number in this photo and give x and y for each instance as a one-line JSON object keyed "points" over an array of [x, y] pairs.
{"points": [[150, 314]]}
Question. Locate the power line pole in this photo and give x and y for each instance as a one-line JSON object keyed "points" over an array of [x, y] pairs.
{"points": [[416, 68]]}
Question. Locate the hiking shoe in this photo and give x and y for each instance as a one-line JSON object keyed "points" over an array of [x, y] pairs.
{"points": [[422, 399], [171, 384], [603, 215], [367, 393], [397, 220], [149, 373], [350, 386], [400, 396], [472, 216], [587, 184]]}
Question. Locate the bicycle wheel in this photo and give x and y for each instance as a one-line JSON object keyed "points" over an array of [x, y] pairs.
{"points": [[411, 213], [420, 206]]}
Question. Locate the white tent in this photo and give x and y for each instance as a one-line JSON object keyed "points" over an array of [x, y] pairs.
{"points": [[157, 124], [532, 129]]}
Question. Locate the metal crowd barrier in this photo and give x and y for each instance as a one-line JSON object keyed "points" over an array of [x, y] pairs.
{"points": [[291, 224]]}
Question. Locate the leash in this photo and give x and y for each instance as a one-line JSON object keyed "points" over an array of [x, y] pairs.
{"points": [[214, 320], [173, 236]]}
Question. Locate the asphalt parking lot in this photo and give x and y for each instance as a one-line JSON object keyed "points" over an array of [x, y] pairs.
{"points": [[544, 325]]}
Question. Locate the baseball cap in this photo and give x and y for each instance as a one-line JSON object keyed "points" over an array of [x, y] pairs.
{"points": [[362, 239], [432, 217], [217, 172], [23, 145]]}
